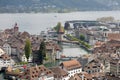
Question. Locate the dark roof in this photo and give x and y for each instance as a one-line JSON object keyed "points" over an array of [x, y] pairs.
{"points": [[58, 72]]}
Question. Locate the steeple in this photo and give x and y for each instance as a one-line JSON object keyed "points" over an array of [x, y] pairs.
{"points": [[15, 24], [16, 28]]}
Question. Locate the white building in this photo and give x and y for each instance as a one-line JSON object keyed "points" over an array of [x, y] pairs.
{"points": [[24, 59], [94, 66], [14, 50], [1, 51], [5, 60], [7, 48], [72, 67], [21, 56]]}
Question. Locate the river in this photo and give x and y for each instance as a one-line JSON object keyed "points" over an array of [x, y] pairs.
{"points": [[68, 51], [73, 51]]}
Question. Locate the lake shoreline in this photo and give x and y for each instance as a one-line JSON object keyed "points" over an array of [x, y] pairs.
{"points": [[34, 23]]}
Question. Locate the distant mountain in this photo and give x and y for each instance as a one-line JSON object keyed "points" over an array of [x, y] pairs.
{"points": [[57, 5]]}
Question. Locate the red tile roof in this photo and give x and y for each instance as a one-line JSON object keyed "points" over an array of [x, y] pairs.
{"points": [[5, 57], [72, 64], [114, 36], [32, 73]]}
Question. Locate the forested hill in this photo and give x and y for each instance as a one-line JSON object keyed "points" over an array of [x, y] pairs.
{"points": [[57, 5]]}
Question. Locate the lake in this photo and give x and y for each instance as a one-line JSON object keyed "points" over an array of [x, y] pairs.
{"points": [[34, 23]]}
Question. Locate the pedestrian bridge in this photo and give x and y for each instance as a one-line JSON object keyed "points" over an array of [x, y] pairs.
{"points": [[68, 58], [66, 41]]}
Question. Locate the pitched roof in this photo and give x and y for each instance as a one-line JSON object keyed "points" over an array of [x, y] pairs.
{"points": [[33, 73], [75, 77], [86, 75], [115, 61], [98, 44], [114, 36], [51, 45], [93, 64], [108, 47], [72, 64], [58, 72], [5, 57]]}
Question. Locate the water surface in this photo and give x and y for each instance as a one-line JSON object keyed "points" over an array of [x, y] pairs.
{"points": [[36, 22]]}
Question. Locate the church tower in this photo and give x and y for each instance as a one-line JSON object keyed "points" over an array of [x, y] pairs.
{"points": [[16, 29]]}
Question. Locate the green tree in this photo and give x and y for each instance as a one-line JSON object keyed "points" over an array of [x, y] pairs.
{"points": [[106, 19], [57, 27], [82, 37], [42, 52], [27, 49]]}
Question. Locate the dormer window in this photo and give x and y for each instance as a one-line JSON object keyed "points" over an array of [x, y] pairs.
{"points": [[35, 75], [32, 76], [44, 69], [27, 77], [36, 71], [49, 71]]}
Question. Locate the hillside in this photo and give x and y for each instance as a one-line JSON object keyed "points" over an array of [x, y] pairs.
{"points": [[57, 5]]}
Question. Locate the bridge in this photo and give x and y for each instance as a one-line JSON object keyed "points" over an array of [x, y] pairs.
{"points": [[83, 21], [68, 58], [66, 41]]}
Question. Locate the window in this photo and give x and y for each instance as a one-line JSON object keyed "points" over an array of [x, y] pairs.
{"points": [[89, 72], [98, 70]]}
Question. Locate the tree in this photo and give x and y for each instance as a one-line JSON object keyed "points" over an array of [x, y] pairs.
{"points": [[42, 52], [82, 37], [27, 49], [58, 26], [106, 19]]}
